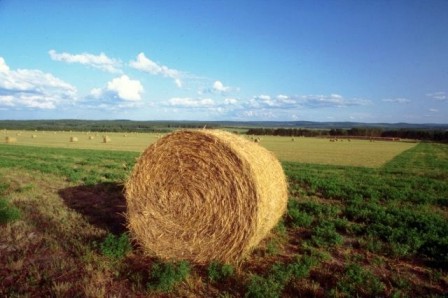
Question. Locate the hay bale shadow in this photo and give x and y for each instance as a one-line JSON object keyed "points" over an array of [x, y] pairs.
{"points": [[103, 205]]}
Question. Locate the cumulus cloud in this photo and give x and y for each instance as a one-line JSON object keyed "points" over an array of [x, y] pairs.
{"points": [[120, 88], [30, 88], [186, 102], [126, 88], [440, 96], [219, 87], [100, 61], [397, 100], [145, 64], [433, 110]]}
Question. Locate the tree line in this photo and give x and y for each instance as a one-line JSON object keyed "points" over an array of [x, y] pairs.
{"points": [[416, 134]]}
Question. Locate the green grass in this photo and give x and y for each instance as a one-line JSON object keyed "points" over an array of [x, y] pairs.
{"points": [[165, 276], [280, 275], [8, 213], [115, 247], [348, 231], [217, 272], [357, 281], [82, 166]]}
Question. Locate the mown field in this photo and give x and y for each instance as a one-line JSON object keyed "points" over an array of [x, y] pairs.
{"points": [[304, 150], [352, 228]]}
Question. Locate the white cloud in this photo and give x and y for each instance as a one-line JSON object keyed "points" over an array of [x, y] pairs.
{"points": [[397, 100], [230, 101], [186, 102], [442, 96], [6, 101], [96, 92], [30, 88], [332, 100], [433, 110], [260, 114], [100, 61], [121, 88], [264, 97], [178, 83], [218, 86], [3, 67], [282, 101], [145, 64], [126, 88]]}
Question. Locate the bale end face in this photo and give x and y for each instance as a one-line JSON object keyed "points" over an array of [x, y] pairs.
{"points": [[204, 195]]}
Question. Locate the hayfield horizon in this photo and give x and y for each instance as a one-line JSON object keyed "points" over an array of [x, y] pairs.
{"points": [[379, 62]]}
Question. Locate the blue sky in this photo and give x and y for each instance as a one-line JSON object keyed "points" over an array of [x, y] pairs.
{"points": [[367, 61]]}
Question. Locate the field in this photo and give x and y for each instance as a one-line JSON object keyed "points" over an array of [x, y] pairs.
{"points": [[364, 219], [304, 150]]}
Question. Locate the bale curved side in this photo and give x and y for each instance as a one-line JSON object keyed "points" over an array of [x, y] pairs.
{"points": [[204, 195]]}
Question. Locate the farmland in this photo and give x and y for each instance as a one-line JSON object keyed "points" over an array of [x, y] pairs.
{"points": [[364, 218], [303, 150]]}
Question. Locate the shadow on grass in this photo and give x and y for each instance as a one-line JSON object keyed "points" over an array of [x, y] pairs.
{"points": [[103, 205]]}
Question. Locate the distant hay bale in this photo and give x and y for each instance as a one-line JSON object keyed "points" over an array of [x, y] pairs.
{"points": [[204, 195], [10, 140], [33, 136], [91, 137], [73, 139], [292, 140], [106, 139]]}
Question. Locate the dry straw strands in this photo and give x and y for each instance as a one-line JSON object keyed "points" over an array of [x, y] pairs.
{"points": [[204, 195], [73, 139], [10, 140]]}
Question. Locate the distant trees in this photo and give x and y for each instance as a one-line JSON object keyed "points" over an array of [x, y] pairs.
{"points": [[368, 132], [287, 132]]}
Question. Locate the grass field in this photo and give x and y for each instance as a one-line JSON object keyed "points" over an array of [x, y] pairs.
{"points": [[375, 230], [304, 150]]}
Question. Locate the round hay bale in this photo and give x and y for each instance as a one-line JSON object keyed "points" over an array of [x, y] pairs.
{"points": [[10, 140], [73, 139], [106, 139], [91, 137], [204, 195]]}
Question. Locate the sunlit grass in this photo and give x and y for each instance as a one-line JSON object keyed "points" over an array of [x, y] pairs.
{"points": [[304, 150], [322, 151]]}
